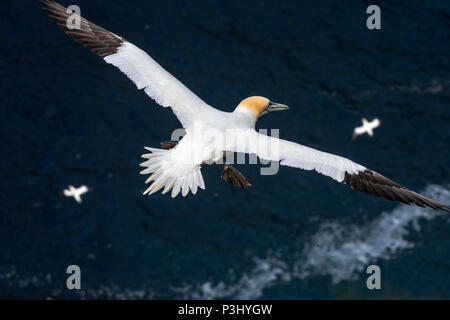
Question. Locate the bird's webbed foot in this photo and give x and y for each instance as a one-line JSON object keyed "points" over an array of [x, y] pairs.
{"points": [[166, 145], [232, 176]]}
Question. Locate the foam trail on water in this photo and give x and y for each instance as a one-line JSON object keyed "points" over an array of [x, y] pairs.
{"points": [[344, 251], [340, 251], [266, 273], [10, 277]]}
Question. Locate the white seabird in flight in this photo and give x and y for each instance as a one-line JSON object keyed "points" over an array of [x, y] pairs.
{"points": [[367, 127], [179, 169], [76, 193]]}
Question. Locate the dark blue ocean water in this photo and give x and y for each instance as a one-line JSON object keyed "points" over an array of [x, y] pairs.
{"points": [[66, 117]]}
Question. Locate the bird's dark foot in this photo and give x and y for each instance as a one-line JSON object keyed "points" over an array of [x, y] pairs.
{"points": [[234, 177], [166, 145]]}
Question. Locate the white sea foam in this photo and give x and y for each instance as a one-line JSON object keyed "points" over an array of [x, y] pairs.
{"points": [[344, 251], [266, 273], [337, 250], [340, 251], [12, 278]]}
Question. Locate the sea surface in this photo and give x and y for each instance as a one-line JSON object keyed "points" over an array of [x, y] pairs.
{"points": [[66, 117]]}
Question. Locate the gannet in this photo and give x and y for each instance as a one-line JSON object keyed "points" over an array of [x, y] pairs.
{"points": [[367, 127], [211, 132], [76, 193]]}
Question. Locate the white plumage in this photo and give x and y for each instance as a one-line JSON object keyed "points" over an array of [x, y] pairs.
{"points": [[292, 154], [159, 84]]}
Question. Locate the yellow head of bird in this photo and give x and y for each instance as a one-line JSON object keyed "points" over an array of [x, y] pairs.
{"points": [[257, 106]]}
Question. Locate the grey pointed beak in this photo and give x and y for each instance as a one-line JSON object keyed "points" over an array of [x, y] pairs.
{"points": [[276, 107]]}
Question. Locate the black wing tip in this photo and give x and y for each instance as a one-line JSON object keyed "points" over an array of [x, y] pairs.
{"points": [[445, 208], [100, 41], [51, 4], [373, 183]]}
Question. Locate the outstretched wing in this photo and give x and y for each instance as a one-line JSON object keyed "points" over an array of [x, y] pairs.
{"points": [[82, 190], [375, 123], [359, 130], [340, 169], [145, 72]]}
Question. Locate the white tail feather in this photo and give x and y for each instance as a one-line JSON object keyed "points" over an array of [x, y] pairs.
{"points": [[176, 188], [168, 174]]}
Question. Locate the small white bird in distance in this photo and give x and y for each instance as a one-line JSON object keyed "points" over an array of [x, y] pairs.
{"points": [[211, 132], [367, 127], [76, 193]]}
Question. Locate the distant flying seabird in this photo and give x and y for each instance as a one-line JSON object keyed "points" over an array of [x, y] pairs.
{"points": [[178, 168], [367, 127], [76, 193]]}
